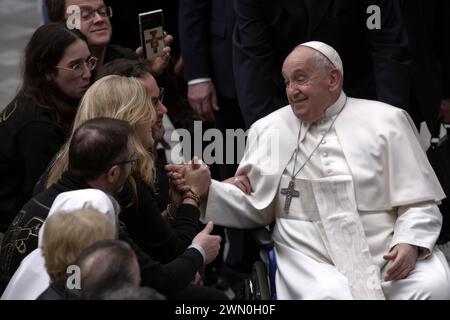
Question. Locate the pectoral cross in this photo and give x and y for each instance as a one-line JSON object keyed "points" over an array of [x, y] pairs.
{"points": [[154, 41], [290, 193]]}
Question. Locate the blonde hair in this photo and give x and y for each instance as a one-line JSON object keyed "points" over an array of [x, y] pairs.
{"points": [[124, 98], [66, 235]]}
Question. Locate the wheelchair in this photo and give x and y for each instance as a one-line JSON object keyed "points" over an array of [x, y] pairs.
{"points": [[261, 285]]}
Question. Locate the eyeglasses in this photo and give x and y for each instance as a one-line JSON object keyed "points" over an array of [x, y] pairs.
{"points": [[161, 94], [77, 68], [160, 98], [133, 161], [88, 13]]}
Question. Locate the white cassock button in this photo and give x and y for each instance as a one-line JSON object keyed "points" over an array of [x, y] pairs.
{"points": [[324, 141], [325, 155], [323, 132], [329, 171]]}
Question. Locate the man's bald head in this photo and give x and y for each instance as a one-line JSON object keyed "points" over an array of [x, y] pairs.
{"points": [[98, 144]]}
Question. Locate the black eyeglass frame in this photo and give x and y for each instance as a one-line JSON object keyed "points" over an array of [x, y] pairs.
{"points": [[133, 160], [89, 13]]}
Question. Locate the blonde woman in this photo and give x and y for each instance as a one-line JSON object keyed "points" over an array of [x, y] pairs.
{"points": [[126, 98], [64, 238], [119, 98]]}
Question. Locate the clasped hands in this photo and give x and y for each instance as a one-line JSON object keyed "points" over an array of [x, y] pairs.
{"points": [[194, 176]]}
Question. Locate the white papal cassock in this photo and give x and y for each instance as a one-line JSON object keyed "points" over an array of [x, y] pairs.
{"points": [[366, 188]]}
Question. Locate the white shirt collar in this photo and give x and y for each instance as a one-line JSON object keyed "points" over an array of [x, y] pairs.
{"points": [[336, 107], [330, 112]]}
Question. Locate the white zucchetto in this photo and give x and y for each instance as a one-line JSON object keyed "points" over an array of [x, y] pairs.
{"points": [[327, 51]]}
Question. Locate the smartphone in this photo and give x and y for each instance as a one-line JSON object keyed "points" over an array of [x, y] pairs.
{"points": [[152, 33]]}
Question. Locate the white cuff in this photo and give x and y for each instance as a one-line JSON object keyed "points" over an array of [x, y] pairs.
{"points": [[199, 80]]}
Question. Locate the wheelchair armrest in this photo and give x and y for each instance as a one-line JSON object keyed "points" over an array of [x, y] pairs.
{"points": [[262, 238]]}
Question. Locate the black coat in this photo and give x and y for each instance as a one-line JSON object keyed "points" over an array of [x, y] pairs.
{"points": [[30, 137], [150, 231], [52, 293], [375, 65], [114, 52], [428, 34], [206, 29], [22, 237]]}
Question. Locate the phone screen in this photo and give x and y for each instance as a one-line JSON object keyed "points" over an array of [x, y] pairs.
{"points": [[152, 33]]}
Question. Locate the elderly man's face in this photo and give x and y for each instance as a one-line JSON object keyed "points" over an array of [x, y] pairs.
{"points": [[94, 25], [309, 88]]}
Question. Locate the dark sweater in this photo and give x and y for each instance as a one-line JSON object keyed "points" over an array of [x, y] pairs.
{"points": [[114, 52], [29, 140], [52, 293], [151, 232], [22, 237]]}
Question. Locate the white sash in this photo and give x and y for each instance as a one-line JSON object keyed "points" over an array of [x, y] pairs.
{"points": [[330, 202]]}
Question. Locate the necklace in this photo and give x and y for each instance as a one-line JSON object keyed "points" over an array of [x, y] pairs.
{"points": [[290, 191]]}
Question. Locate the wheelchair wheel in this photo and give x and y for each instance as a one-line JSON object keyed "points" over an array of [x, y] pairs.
{"points": [[262, 291]]}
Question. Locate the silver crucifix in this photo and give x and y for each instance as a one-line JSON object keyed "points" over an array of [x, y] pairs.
{"points": [[290, 193]]}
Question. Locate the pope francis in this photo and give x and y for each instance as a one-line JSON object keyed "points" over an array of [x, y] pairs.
{"points": [[348, 188]]}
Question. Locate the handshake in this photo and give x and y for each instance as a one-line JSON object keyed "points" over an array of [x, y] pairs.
{"points": [[195, 177], [189, 180], [190, 183]]}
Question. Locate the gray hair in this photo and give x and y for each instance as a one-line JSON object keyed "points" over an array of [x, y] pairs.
{"points": [[322, 61]]}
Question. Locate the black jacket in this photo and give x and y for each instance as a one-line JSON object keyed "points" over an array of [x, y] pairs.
{"points": [[30, 138], [114, 52], [150, 231], [22, 237], [428, 33], [52, 293], [375, 61], [206, 29]]}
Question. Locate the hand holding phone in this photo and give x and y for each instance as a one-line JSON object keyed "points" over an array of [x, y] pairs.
{"points": [[152, 33]]}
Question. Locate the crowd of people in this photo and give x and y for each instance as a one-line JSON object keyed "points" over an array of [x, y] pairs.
{"points": [[91, 207]]}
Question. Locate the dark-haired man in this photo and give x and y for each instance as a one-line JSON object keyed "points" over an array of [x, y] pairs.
{"points": [[88, 168], [102, 156]]}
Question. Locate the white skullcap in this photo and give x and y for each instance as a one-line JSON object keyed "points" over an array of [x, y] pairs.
{"points": [[70, 201], [327, 51]]}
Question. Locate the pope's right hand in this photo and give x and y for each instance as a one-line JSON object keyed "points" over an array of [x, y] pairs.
{"points": [[241, 182]]}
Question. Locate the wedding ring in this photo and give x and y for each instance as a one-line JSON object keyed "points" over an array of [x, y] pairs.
{"points": [[236, 179]]}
